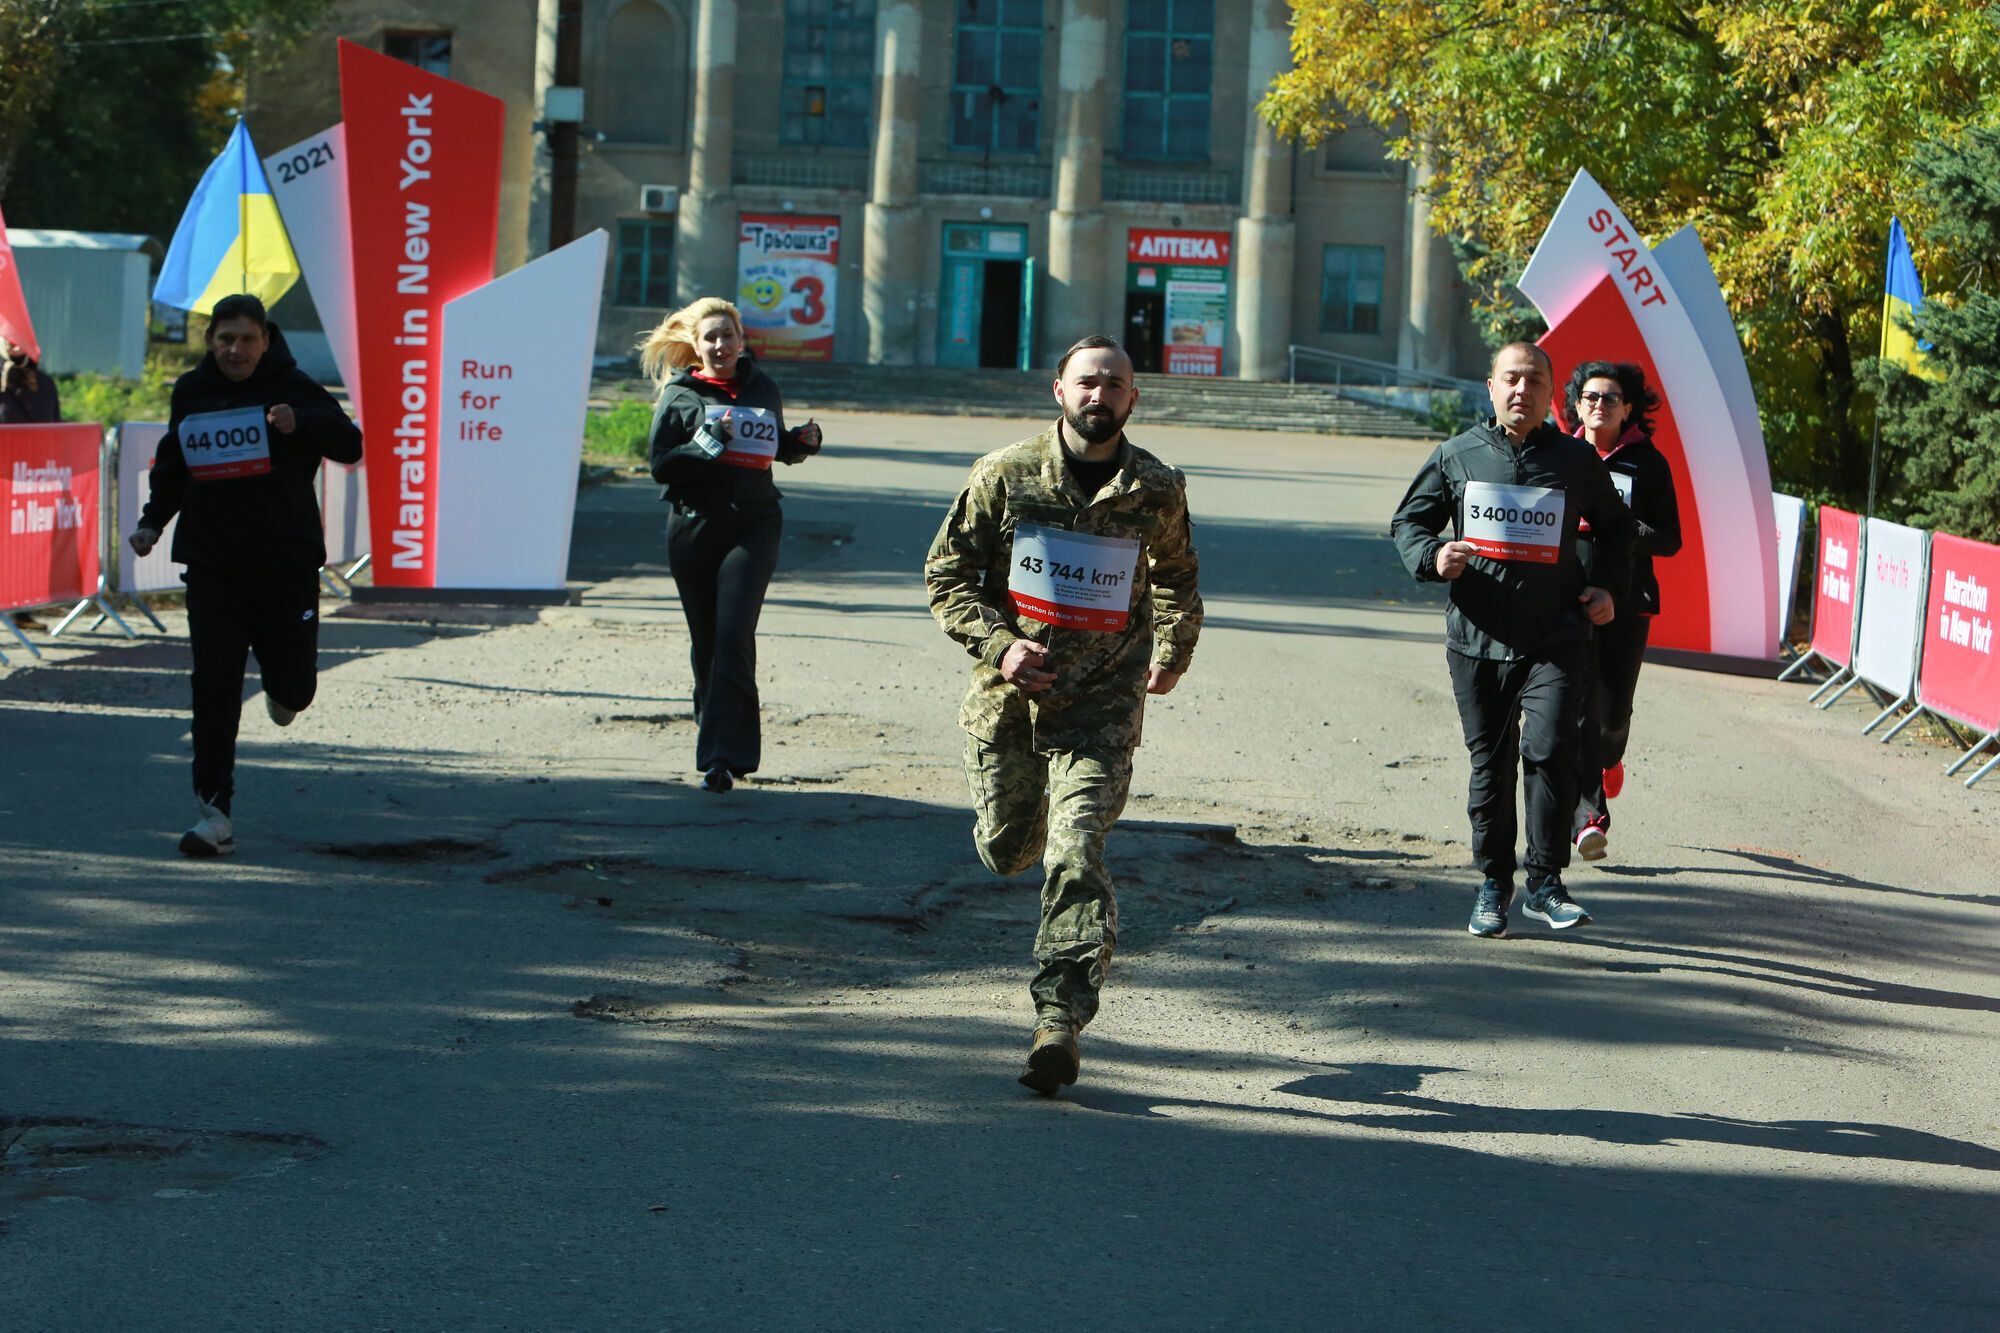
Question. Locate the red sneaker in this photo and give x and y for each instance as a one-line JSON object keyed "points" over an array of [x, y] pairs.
{"points": [[1614, 780]]}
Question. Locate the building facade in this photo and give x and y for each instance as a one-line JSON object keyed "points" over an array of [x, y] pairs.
{"points": [[954, 183]]}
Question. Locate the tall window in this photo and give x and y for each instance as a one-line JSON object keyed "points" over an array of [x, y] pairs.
{"points": [[645, 274], [829, 72], [996, 80], [1350, 289], [638, 105], [428, 51], [1169, 57]]}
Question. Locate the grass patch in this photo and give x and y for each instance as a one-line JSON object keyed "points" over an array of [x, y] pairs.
{"points": [[111, 399], [619, 434]]}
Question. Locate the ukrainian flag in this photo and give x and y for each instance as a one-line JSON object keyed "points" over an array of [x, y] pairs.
{"points": [[231, 238], [1902, 298]]}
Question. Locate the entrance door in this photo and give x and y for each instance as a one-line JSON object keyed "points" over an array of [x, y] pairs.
{"points": [[983, 295], [1145, 329]]}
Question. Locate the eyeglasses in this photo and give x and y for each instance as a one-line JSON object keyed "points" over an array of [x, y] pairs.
{"points": [[1608, 399]]}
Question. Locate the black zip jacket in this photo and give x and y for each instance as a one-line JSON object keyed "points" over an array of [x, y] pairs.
{"points": [[247, 524], [1507, 609], [1657, 515], [696, 482]]}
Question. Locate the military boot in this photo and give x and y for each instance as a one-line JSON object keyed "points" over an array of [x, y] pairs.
{"points": [[1052, 1060]]}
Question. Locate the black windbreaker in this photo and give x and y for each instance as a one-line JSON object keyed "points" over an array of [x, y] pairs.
{"points": [[247, 524], [694, 481], [1502, 609], [1657, 512]]}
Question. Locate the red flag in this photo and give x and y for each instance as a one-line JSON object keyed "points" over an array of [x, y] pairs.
{"points": [[14, 323]]}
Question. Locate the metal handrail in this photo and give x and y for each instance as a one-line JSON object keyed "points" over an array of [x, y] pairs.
{"points": [[1421, 393]]}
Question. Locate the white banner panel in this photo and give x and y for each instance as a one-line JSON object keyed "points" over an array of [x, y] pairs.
{"points": [[137, 442], [1892, 606], [517, 360], [309, 181], [1790, 512], [343, 512]]}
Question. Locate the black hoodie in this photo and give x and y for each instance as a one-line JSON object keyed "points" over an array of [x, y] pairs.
{"points": [[247, 524], [693, 479]]}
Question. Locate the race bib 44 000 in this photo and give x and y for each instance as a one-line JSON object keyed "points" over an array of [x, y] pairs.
{"points": [[1522, 523], [219, 445], [753, 439], [1072, 579]]}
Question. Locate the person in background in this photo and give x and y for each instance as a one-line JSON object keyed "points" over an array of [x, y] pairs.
{"points": [[28, 397], [1612, 406], [718, 426]]}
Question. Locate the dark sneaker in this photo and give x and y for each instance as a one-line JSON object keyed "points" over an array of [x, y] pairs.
{"points": [[717, 779], [1052, 1060], [279, 713], [1548, 901], [1590, 839], [1489, 909]]}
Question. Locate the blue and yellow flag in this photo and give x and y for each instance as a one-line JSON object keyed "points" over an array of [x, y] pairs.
{"points": [[1902, 298], [231, 238]]}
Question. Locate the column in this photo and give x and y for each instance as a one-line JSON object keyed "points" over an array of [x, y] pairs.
{"points": [[1266, 234], [1077, 300], [705, 232], [546, 21], [892, 244], [1425, 340]]}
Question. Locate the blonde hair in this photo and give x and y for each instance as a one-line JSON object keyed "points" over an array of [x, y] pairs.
{"points": [[671, 346]]}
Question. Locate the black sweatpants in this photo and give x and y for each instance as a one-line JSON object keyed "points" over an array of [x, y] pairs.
{"points": [[272, 613], [1527, 713], [1619, 650], [722, 564]]}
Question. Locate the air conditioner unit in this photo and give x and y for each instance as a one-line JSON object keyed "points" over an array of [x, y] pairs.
{"points": [[658, 198]]}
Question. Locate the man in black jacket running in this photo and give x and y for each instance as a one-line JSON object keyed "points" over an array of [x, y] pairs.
{"points": [[1517, 633]]}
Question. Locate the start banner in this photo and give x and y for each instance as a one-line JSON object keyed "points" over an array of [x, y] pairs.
{"points": [[1961, 672], [1834, 581], [50, 494]]}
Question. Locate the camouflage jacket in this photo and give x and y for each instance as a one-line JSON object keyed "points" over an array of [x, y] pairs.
{"points": [[1099, 695]]}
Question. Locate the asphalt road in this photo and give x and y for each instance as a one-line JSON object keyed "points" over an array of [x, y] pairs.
{"points": [[496, 1021]]}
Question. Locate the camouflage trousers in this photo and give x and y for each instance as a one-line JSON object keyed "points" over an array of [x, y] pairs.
{"points": [[1055, 807]]}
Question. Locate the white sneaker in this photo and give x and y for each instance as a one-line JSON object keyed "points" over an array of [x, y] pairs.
{"points": [[214, 835], [279, 713]]}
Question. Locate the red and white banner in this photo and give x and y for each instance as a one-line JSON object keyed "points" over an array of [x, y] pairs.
{"points": [[1961, 670], [50, 489], [423, 170], [1607, 296], [1892, 606], [15, 326], [787, 274], [1836, 576], [1191, 269]]}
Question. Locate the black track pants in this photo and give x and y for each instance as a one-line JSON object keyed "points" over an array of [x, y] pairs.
{"points": [[1528, 714], [274, 614], [722, 564], [1619, 650]]}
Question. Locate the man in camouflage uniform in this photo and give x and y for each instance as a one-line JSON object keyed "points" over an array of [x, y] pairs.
{"points": [[1054, 711]]}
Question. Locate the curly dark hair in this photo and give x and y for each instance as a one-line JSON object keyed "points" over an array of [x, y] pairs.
{"points": [[1631, 382]]}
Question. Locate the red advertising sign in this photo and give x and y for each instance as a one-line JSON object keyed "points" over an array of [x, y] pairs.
{"points": [[423, 181], [1835, 577], [1960, 676], [787, 273], [49, 513], [1190, 270], [1146, 245]]}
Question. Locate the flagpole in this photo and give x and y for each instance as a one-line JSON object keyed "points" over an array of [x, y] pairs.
{"points": [[1881, 371]]}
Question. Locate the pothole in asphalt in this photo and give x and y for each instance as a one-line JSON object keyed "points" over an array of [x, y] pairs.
{"points": [[415, 851], [100, 1161], [646, 719], [609, 868]]}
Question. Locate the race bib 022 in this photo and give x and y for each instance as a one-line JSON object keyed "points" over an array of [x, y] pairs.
{"points": [[1523, 523], [220, 445], [753, 435], [1072, 579]]}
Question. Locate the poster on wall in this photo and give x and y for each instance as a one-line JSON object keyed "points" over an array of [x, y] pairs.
{"points": [[1189, 270], [787, 270]]}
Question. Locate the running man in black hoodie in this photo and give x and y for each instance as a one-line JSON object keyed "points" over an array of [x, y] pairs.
{"points": [[246, 433]]}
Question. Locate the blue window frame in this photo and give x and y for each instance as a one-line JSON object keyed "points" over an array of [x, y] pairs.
{"points": [[645, 272], [1169, 65], [1350, 289], [996, 80], [829, 73]]}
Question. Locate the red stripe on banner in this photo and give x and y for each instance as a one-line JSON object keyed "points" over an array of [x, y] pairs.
{"points": [[1068, 617], [1519, 552], [1601, 328], [753, 462], [1960, 676], [1835, 576], [50, 512], [423, 184], [249, 467]]}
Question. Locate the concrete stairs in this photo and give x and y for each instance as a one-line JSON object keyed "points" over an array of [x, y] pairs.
{"points": [[1169, 399]]}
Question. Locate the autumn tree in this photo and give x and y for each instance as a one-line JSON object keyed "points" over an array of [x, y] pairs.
{"points": [[1782, 129]]}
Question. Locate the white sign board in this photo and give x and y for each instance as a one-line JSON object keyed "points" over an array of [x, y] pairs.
{"points": [[517, 360], [309, 181], [343, 512], [1892, 606], [137, 443], [1790, 513]]}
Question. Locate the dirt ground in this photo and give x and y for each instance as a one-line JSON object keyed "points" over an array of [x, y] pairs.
{"points": [[497, 1021]]}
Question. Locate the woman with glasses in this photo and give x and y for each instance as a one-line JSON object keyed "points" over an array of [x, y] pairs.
{"points": [[1612, 408]]}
